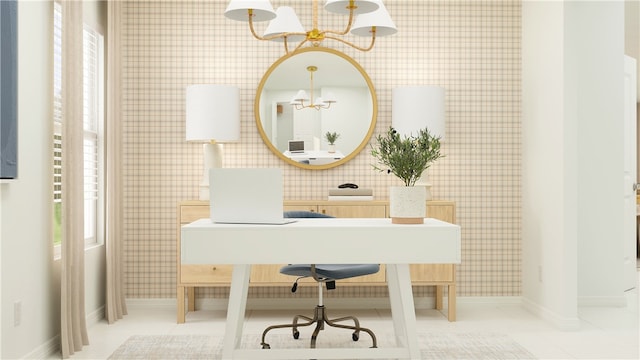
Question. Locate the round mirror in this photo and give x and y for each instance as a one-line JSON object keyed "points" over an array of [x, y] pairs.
{"points": [[309, 95]]}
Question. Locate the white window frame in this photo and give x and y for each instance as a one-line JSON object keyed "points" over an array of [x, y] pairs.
{"points": [[93, 125], [94, 131]]}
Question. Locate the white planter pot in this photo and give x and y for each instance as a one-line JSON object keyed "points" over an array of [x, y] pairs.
{"points": [[332, 148], [408, 204]]}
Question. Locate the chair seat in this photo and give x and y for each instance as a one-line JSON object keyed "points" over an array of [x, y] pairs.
{"points": [[331, 271]]}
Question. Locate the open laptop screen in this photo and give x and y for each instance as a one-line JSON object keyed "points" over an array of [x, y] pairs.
{"points": [[235, 198], [296, 146]]}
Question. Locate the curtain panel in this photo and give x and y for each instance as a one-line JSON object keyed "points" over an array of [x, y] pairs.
{"points": [[115, 305], [73, 332]]}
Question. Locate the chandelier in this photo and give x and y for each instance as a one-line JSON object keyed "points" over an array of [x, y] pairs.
{"points": [[367, 18], [301, 97]]}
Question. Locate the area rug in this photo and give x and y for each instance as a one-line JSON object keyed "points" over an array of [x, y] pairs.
{"points": [[453, 345]]}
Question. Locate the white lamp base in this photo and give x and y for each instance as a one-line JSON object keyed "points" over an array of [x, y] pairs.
{"points": [[213, 154], [424, 182]]}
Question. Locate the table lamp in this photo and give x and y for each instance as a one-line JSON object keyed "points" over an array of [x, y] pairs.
{"points": [[417, 107], [212, 117]]}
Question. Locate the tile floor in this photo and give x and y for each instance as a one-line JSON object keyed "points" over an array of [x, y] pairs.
{"points": [[606, 333]]}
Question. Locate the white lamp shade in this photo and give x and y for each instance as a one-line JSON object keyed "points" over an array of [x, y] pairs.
{"points": [[213, 113], [329, 97], [286, 21], [301, 96], [239, 10], [417, 107], [380, 19], [341, 6]]}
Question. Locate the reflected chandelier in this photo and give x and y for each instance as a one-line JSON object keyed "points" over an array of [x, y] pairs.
{"points": [[298, 101], [367, 18]]}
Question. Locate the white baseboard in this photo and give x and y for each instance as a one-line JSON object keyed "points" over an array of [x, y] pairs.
{"points": [[561, 322], [52, 346], [305, 303], [151, 302], [46, 350], [602, 301], [95, 316]]}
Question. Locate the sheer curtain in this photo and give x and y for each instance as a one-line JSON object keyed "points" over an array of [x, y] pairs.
{"points": [[115, 305], [73, 332]]}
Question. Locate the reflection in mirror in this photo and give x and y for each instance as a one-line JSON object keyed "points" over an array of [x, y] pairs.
{"points": [[294, 129]]}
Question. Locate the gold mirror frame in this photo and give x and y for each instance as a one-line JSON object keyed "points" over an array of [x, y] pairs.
{"points": [[347, 157]]}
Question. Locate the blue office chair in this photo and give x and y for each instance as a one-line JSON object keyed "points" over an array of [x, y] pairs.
{"points": [[327, 274]]}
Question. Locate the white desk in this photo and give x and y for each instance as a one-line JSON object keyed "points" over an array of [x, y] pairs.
{"points": [[315, 157], [343, 241]]}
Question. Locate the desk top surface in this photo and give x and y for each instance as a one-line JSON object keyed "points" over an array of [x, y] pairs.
{"points": [[324, 223], [332, 240]]}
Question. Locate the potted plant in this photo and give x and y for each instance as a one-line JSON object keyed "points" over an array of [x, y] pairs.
{"points": [[407, 158], [331, 138]]}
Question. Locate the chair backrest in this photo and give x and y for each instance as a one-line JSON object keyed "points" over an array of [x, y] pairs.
{"points": [[298, 214]]}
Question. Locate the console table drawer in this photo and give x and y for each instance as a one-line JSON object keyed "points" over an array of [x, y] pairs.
{"points": [[432, 273], [191, 213], [206, 274]]}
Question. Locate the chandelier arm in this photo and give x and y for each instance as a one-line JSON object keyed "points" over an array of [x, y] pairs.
{"points": [[253, 31], [349, 24], [301, 43], [373, 41]]}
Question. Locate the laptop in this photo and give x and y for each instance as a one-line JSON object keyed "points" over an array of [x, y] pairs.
{"points": [[296, 146], [246, 196]]}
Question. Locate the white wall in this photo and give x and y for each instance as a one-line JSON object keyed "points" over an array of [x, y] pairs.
{"points": [[599, 89], [548, 172], [351, 122], [28, 272], [27, 269], [632, 33], [572, 75]]}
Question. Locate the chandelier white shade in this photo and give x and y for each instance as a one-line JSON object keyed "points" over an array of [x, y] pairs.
{"points": [[342, 6], [213, 113], [417, 107], [286, 22], [261, 10], [380, 19], [286, 27]]}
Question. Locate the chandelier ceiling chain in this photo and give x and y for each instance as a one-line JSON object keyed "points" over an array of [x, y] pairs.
{"points": [[368, 18]]}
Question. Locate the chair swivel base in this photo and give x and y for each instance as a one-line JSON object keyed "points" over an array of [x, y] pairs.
{"points": [[320, 318]]}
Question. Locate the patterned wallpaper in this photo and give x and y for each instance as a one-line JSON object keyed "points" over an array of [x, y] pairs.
{"points": [[471, 48]]}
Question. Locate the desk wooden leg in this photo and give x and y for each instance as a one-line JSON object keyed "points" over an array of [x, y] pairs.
{"points": [[236, 309], [180, 304], [191, 297], [402, 308], [439, 296], [452, 303]]}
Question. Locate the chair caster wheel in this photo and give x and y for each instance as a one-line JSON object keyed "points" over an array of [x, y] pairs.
{"points": [[355, 336], [296, 335], [266, 346]]}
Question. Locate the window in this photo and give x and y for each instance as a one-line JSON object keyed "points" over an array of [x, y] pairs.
{"points": [[57, 127], [93, 119]]}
